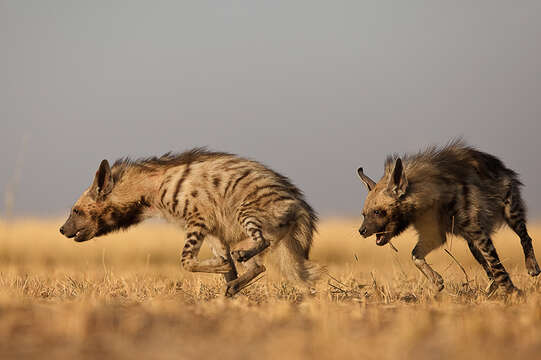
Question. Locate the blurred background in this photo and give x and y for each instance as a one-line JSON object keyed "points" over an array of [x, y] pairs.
{"points": [[313, 89]]}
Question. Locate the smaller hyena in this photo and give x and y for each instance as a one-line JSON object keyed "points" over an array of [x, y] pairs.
{"points": [[231, 199], [455, 189]]}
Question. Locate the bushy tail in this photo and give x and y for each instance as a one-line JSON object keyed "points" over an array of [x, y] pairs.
{"points": [[296, 267], [293, 250]]}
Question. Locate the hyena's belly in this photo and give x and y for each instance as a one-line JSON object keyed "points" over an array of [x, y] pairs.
{"points": [[230, 233], [218, 247]]}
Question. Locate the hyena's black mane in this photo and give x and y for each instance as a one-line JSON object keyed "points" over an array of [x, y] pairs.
{"points": [[169, 159], [198, 154], [455, 161]]}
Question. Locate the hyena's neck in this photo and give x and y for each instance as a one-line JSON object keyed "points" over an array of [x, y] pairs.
{"points": [[117, 216], [130, 202], [137, 182]]}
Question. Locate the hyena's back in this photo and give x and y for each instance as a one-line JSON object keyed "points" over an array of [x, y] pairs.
{"points": [[231, 198], [470, 185]]}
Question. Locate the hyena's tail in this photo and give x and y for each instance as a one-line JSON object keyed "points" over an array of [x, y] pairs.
{"points": [[293, 250]]}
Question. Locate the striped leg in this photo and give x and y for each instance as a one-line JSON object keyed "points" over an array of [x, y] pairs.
{"points": [[515, 216], [252, 227], [526, 242], [232, 274], [481, 260], [486, 247], [237, 285], [194, 240]]}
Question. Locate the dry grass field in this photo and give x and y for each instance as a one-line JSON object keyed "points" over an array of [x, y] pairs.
{"points": [[125, 296]]}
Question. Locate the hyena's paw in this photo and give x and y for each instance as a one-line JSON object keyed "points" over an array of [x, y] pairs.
{"points": [[437, 281], [515, 293], [241, 255], [532, 266], [509, 290], [232, 288], [439, 284]]}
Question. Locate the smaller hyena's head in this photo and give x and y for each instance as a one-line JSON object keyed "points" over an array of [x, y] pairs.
{"points": [[385, 212], [85, 220]]}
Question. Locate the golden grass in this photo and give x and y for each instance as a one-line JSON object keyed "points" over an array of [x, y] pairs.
{"points": [[125, 296]]}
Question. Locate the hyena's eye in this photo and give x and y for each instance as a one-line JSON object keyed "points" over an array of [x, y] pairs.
{"points": [[380, 212]]}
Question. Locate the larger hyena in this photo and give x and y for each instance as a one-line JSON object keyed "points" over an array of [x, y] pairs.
{"points": [[233, 199], [455, 189]]}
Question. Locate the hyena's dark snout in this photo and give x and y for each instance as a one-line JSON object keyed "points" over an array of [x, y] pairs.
{"points": [[68, 229], [363, 231], [366, 229], [66, 232]]}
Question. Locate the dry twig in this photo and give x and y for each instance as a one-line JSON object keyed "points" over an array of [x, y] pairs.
{"points": [[460, 266]]}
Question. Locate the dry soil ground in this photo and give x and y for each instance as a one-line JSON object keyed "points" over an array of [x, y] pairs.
{"points": [[125, 296]]}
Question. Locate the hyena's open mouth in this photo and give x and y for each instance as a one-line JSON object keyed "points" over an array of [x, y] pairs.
{"points": [[383, 237], [80, 236]]}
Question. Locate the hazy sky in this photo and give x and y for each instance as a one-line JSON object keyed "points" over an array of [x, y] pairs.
{"points": [[311, 88]]}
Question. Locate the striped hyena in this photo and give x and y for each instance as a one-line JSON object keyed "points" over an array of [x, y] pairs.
{"points": [[229, 198], [455, 189]]}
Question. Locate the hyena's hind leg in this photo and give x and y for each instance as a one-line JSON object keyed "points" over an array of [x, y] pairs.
{"points": [[194, 241], [515, 216], [481, 260], [253, 227], [483, 242], [236, 285]]}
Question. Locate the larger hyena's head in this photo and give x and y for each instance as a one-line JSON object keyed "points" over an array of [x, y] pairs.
{"points": [[386, 210], [84, 219], [98, 211]]}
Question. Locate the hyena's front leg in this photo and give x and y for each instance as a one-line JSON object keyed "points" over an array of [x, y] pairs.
{"points": [[232, 274], [252, 227], [194, 241], [418, 255], [430, 238], [221, 249], [483, 242]]}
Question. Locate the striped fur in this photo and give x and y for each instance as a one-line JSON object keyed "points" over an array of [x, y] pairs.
{"points": [[211, 194], [454, 189]]}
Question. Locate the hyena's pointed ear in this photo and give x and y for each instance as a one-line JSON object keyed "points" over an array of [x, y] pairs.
{"points": [[370, 184], [398, 183], [103, 182]]}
